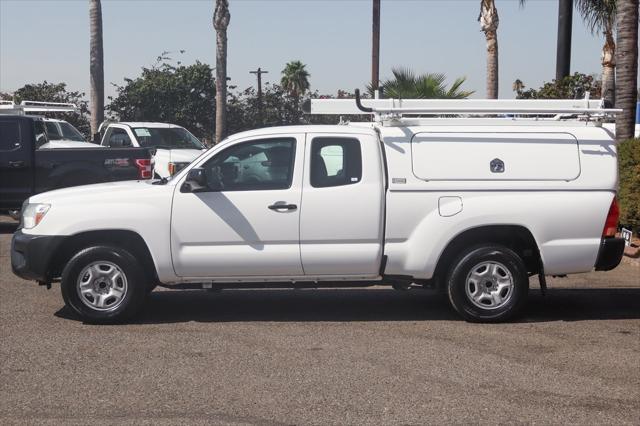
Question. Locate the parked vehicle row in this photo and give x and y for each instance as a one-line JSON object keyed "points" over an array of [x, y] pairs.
{"points": [[40, 153], [470, 206], [27, 167]]}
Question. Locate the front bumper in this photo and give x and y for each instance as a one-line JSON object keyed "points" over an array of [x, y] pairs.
{"points": [[610, 254], [31, 255]]}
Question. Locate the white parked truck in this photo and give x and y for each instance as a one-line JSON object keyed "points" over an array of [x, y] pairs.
{"points": [[471, 203], [175, 147]]}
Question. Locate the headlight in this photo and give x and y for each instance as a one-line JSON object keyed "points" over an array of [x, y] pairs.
{"points": [[33, 214]]}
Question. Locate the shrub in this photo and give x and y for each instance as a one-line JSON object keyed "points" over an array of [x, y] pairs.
{"points": [[570, 87], [629, 193]]}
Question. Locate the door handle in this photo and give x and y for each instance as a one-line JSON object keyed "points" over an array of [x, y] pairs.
{"points": [[283, 207], [16, 164]]}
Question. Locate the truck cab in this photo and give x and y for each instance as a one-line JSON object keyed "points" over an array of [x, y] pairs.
{"points": [[175, 147]]}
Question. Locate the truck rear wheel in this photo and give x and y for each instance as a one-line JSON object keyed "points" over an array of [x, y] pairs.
{"points": [[488, 284], [103, 284]]}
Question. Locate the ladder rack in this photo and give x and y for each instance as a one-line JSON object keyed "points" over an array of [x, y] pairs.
{"points": [[395, 108], [25, 107]]}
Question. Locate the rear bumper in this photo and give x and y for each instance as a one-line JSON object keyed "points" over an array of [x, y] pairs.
{"points": [[31, 255], [610, 254]]}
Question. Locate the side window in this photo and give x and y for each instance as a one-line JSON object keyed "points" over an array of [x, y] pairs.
{"points": [[335, 162], [119, 138], [9, 135], [40, 132], [52, 131], [265, 164]]}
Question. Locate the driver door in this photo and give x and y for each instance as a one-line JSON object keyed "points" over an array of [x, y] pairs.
{"points": [[245, 222]]}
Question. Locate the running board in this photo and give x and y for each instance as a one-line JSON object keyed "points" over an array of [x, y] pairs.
{"points": [[272, 285]]}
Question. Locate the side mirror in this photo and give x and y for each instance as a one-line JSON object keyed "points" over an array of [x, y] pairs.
{"points": [[196, 181]]}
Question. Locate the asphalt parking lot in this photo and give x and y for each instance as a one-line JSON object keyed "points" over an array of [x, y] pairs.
{"points": [[373, 356]]}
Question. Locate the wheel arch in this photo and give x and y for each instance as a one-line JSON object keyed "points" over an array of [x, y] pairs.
{"points": [[516, 237], [126, 239]]}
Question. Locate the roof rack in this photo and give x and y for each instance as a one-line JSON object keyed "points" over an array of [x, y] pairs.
{"points": [[390, 109], [26, 107]]}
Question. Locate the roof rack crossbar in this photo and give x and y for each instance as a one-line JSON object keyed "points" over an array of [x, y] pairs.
{"points": [[10, 107], [398, 107]]}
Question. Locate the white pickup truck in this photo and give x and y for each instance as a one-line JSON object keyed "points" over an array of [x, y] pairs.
{"points": [[470, 205], [175, 147]]}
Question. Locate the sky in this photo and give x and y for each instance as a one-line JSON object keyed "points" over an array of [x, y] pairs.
{"points": [[49, 40]]}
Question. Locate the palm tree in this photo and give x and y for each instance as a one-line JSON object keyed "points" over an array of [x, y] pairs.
{"points": [[489, 21], [221, 18], [96, 65], [407, 85], [600, 15], [375, 45], [563, 47], [627, 70], [295, 79]]}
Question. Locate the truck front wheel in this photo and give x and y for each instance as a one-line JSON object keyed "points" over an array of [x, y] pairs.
{"points": [[103, 284], [488, 284]]}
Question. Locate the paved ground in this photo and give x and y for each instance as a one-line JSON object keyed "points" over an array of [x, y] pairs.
{"points": [[323, 357]]}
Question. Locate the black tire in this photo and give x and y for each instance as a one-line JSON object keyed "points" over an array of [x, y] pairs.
{"points": [[135, 285], [461, 285]]}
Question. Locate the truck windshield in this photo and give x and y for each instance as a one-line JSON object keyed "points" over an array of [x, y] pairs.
{"points": [[71, 133], [166, 137], [66, 132]]}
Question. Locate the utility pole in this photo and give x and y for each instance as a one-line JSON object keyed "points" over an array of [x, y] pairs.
{"points": [[375, 46], [258, 74], [563, 51]]}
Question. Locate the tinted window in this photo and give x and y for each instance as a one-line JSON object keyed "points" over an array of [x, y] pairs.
{"points": [[253, 166], [52, 131], [166, 137], [9, 135], [71, 133], [335, 162], [119, 138], [40, 132]]}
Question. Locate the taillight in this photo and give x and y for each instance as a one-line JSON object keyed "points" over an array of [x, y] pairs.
{"points": [[144, 168], [611, 224]]}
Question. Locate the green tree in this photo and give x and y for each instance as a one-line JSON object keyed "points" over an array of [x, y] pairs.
{"points": [[183, 95], [407, 85], [277, 107], [96, 65], [55, 92], [571, 87], [489, 21], [295, 79], [629, 193], [600, 16]]}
